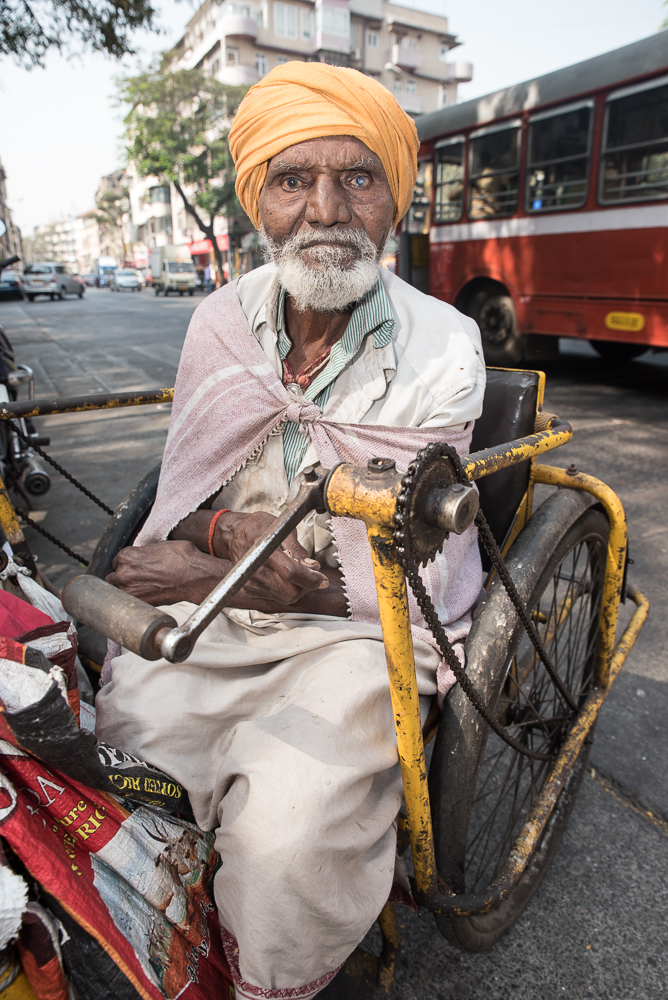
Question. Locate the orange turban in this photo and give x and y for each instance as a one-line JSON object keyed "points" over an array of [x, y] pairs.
{"points": [[299, 101]]}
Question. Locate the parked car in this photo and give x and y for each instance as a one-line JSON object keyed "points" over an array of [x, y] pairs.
{"points": [[91, 279], [125, 278], [11, 283], [55, 280]]}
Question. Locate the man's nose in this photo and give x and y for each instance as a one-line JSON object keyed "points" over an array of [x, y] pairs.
{"points": [[327, 204]]}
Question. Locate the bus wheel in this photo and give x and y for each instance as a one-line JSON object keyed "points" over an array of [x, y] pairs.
{"points": [[615, 350], [495, 315]]}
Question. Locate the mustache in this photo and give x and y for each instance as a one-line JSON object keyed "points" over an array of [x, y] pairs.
{"points": [[323, 241]]}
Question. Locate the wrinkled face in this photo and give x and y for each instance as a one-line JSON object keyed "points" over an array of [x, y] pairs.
{"points": [[326, 212]]}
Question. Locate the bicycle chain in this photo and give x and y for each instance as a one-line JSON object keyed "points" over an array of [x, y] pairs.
{"points": [[403, 545], [75, 482], [52, 538]]}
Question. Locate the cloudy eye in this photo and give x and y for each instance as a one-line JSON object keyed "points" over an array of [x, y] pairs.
{"points": [[360, 181]]}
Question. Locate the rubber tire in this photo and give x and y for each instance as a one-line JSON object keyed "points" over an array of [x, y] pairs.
{"points": [[617, 351], [62, 295], [81, 293], [31, 298], [125, 525], [157, 290], [564, 519], [191, 292], [6, 347], [495, 314]]}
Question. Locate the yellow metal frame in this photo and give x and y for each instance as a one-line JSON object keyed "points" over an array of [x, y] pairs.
{"points": [[351, 495]]}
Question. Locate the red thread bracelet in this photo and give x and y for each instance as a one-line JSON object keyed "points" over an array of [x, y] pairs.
{"points": [[212, 526]]}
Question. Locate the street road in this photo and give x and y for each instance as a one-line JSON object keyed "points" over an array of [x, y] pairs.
{"points": [[597, 928]]}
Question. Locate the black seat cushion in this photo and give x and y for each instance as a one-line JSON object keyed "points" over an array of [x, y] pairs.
{"points": [[509, 412]]}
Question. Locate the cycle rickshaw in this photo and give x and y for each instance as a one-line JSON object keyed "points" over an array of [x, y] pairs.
{"points": [[510, 746]]}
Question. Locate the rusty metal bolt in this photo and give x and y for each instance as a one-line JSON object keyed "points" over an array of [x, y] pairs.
{"points": [[572, 470], [379, 465]]}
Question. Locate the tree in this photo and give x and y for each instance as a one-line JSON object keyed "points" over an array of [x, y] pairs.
{"points": [[111, 205], [29, 29], [177, 130]]}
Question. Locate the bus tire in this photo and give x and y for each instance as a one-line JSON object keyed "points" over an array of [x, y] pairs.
{"points": [[495, 314], [616, 350]]}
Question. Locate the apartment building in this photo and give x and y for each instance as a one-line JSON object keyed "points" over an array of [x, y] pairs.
{"points": [[407, 50]]}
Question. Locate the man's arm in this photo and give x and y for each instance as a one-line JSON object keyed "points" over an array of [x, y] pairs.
{"points": [[183, 570]]}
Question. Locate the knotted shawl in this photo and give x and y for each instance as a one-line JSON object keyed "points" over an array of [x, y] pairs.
{"points": [[227, 401], [299, 101]]}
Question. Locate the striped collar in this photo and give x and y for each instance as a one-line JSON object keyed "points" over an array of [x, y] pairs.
{"points": [[372, 314]]}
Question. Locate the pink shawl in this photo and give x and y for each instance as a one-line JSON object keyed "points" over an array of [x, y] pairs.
{"points": [[228, 399]]}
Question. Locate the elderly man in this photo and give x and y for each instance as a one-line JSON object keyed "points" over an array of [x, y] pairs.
{"points": [[280, 724]]}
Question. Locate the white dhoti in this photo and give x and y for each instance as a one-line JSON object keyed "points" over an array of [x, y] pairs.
{"points": [[283, 735]]}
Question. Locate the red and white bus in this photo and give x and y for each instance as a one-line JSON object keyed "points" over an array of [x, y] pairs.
{"points": [[542, 210]]}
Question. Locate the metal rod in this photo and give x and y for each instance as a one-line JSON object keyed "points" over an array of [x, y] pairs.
{"points": [[398, 640], [484, 463], [466, 904], [176, 644], [78, 404]]}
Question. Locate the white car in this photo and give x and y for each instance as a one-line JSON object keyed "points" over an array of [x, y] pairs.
{"points": [[125, 278]]}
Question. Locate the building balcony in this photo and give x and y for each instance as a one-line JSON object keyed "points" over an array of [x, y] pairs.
{"points": [[404, 57], [458, 72], [239, 75], [236, 25]]}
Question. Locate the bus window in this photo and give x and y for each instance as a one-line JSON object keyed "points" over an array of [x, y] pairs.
{"points": [[634, 161], [449, 188], [417, 220], [558, 160], [494, 173]]}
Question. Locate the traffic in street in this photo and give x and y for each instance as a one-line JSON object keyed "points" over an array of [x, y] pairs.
{"points": [[575, 939]]}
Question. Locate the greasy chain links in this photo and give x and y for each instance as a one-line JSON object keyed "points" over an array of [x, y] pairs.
{"points": [[402, 540], [75, 482]]}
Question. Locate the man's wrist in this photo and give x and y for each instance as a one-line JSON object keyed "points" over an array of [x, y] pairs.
{"points": [[212, 529]]}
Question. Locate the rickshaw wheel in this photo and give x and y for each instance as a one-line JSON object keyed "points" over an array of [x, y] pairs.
{"points": [[481, 789], [125, 525]]}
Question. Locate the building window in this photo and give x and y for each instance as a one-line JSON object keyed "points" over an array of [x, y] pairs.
{"points": [[410, 42], [285, 20], [396, 86], [215, 67], [335, 21], [443, 53], [282, 60], [306, 23], [232, 57], [372, 40], [442, 97], [159, 194], [261, 65], [238, 9], [352, 35], [411, 86]]}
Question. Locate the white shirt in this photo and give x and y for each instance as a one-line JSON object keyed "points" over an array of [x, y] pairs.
{"points": [[432, 374]]}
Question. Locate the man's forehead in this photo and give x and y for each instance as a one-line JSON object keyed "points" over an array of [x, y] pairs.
{"points": [[340, 152]]}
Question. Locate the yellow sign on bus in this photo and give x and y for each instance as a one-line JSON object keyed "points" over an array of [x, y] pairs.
{"points": [[625, 321]]}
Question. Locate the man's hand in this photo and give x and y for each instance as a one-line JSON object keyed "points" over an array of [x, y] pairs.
{"points": [[288, 574], [161, 573], [177, 570]]}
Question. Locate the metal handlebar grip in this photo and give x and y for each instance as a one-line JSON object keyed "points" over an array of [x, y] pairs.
{"points": [[119, 616]]}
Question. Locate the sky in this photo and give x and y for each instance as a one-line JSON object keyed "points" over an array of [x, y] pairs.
{"points": [[60, 126]]}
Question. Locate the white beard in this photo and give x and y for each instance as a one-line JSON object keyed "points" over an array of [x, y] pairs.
{"points": [[331, 285]]}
